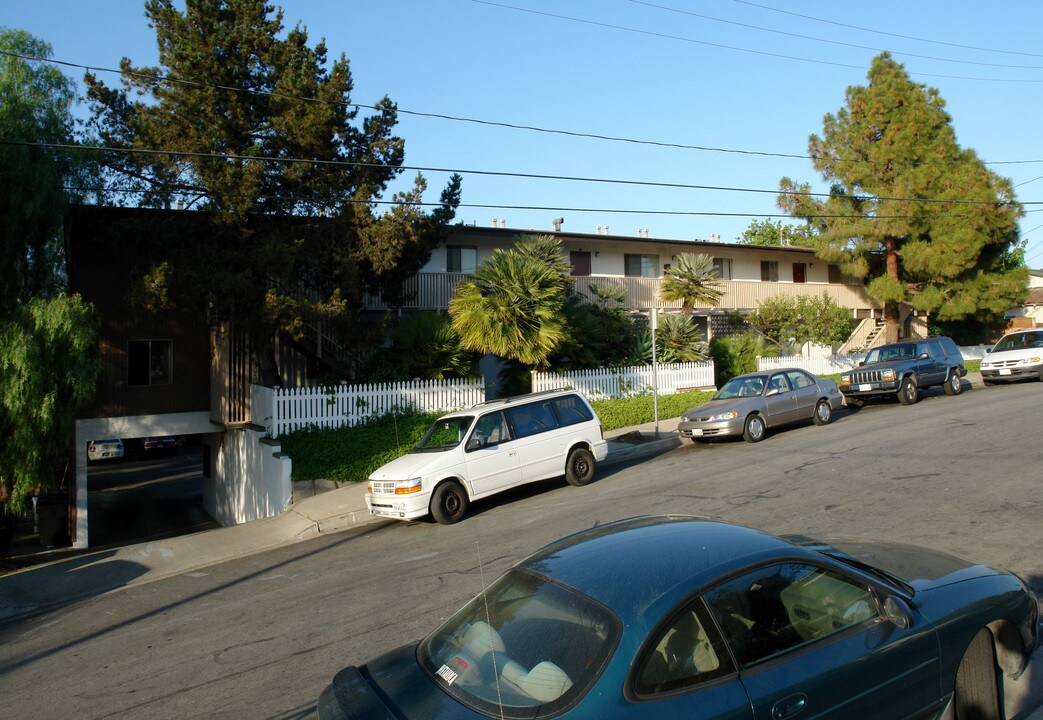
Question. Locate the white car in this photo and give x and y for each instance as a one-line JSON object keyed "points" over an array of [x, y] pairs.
{"points": [[487, 449], [1018, 355], [105, 450]]}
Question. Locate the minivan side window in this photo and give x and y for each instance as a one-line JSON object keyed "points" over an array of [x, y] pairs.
{"points": [[571, 410], [532, 418], [491, 429]]}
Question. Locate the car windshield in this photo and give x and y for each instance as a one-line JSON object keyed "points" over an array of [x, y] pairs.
{"points": [[751, 386], [445, 434], [525, 648], [891, 352], [1019, 341]]}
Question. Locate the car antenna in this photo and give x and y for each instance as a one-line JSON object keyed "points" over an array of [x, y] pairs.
{"points": [[488, 620]]}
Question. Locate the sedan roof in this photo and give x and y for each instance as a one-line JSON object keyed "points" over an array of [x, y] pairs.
{"points": [[632, 564]]}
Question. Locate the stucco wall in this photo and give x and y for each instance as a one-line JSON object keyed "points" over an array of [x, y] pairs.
{"points": [[249, 478]]}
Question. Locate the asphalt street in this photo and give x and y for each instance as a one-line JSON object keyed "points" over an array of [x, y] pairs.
{"points": [[261, 635]]}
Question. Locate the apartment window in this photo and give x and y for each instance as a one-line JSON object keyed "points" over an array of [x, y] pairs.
{"points": [[770, 270], [723, 268], [461, 259], [150, 362], [641, 266]]}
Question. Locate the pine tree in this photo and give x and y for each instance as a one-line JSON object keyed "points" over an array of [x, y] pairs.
{"points": [[920, 218], [245, 119]]}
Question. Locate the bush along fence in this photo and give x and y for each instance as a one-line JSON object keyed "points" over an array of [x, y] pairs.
{"points": [[605, 383], [833, 364], [283, 410]]}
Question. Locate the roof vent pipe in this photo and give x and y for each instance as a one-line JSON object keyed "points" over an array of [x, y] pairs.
{"points": [[503, 222], [494, 222], [606, 229], [598, 228], [557, 224]]}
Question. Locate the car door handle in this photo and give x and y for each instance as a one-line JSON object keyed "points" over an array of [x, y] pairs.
{"points": [[789, 707], [513, 452]]}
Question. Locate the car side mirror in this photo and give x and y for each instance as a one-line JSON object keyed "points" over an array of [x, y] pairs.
{"points": [[861, 363], [922, 356], [988, 350], [474, 443], [895, 610], [771, 391]]}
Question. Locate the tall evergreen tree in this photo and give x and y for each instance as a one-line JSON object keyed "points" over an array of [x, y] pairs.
{"points": [[247, 120], [920, 218]]}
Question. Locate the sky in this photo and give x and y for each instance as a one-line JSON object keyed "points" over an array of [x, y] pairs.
{"points": [[670, 116]]}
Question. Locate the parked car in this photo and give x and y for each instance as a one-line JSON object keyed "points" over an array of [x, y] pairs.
{"points": [[105, 450], [156, 445], [1017, 356], [902, 369], [487, 449], [748, 405], [675, 617]]}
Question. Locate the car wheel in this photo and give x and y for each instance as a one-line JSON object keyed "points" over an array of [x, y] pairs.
{"points": [[448, 503], [977, 681], [754, 430], [579, 468], [907, 392], [953, 386], [823, 413]]}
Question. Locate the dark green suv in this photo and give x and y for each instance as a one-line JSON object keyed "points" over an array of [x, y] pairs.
{"points": [[903, 368]]}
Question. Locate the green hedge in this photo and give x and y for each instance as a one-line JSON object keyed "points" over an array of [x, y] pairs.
{"points": [[351, 454]]}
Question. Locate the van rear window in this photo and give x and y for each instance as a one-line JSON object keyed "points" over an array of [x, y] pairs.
{"points": [[571, 410]]}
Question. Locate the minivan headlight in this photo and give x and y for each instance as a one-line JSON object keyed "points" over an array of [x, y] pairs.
{"points": [[407, 487]]}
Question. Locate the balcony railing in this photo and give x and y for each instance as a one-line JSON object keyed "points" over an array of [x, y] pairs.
{"points": [[432, 291]]}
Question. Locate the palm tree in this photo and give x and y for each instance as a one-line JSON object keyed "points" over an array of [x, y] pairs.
{"points": [[513, 306], [692, 281]]}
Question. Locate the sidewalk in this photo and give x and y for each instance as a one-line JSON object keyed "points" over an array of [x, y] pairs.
{"points": [[73, 576]]}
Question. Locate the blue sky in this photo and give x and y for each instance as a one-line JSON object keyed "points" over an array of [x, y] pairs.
{"points": [[746, 80]]}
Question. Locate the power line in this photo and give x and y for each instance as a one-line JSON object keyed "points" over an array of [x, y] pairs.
{"points": [[828, 41], [888, 34], [549, 208], [489, 173], [679, 38], [492, 123]]}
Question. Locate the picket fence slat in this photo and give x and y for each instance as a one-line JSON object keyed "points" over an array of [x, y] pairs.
{"points": [[603, 383], [292, 409]]}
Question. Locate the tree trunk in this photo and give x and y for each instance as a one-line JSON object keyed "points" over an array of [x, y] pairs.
{"points": [[892, 314]]}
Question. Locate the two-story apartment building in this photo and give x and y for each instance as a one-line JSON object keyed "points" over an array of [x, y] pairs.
{"points": [[635, 265]]}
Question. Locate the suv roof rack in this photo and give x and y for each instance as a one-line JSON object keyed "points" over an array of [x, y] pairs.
{"points": [[515, 398]]}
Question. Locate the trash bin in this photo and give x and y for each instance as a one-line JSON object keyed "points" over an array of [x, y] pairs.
{"points": [[53, 510]]}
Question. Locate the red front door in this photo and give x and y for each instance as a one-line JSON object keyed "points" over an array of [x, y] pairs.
{"points": [[800, 272]]}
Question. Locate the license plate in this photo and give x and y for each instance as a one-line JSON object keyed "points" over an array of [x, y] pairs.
{"points": [[697, 431], [864, 388], [384, 513], [1005, 371]]}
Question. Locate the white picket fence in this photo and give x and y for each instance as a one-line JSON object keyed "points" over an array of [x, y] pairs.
{"points": [[283, 410], [833, 364], [603, 383]]}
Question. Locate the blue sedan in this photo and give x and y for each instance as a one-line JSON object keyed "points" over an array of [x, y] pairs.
{"points": [[679, 617]]}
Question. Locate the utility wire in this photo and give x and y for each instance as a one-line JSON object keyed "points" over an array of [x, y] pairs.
{"points": [[550, 208], [888, 34], [489, 173], [828, 41], [667, 36], [489, 123]]}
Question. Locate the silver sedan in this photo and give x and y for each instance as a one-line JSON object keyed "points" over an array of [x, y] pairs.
{"points": [[749, 405]]}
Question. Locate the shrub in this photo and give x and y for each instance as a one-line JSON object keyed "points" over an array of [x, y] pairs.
{"points": [[351, 454]]}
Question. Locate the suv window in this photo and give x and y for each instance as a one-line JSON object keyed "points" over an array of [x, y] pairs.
{"points": [[949, 346], [571, 410], [532, 418]]}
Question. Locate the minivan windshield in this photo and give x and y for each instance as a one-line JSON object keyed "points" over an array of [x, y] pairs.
{"points": [[1019, 341], [445, 434]]}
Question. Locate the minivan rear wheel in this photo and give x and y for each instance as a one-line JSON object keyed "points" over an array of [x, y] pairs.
{"points": [[579, 468], [449, 503]]}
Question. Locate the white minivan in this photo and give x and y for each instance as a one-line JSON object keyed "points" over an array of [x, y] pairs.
{"points": [[494, 446]]}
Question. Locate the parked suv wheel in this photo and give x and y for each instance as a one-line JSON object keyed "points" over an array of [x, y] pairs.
{"points": [[908, 392], [953, 386]]}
